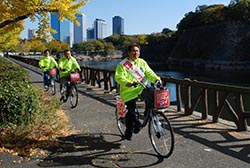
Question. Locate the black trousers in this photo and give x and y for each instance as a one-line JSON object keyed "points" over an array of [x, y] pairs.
{"points": [[132, 116]]}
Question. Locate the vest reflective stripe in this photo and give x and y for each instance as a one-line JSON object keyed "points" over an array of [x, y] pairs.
{"points": [[134, 71]]}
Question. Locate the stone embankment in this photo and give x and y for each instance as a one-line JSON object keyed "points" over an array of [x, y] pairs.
{"points": [[81, 57]]}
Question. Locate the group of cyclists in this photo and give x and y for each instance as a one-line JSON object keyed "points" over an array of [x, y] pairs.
{"points": [[134, 77], [65, 65], [131, 69]]}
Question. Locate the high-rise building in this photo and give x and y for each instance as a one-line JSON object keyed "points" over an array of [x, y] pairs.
{"points": [[118, 25], [62, 28], [80, 32], [100, 29], [90, 34], [31, 33]]}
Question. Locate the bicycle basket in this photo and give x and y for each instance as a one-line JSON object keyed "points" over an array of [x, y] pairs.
{"points": [[120, 106], [74, 77], [52, 72], [161, 98]]}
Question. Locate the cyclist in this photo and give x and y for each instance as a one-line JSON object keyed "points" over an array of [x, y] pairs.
{"points": [[46, 63], [66, 65], [129, 70]]}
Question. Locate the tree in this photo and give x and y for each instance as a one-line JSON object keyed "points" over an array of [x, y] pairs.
{"points": [[56, 46], [142, 39], [36, 45], [14, 12]]}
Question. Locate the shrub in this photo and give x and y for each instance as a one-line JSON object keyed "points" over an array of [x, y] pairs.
{"points": [[18, 100]]}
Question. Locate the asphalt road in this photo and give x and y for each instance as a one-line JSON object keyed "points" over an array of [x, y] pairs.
{"points": [[198, 143]]}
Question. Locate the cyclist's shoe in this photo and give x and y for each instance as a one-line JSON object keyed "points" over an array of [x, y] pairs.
{"points": [[137, 127], [63, 99], [128, 134], [46, 87]]}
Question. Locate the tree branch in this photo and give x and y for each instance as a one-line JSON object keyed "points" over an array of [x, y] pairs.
{"points": [[7, 22]]}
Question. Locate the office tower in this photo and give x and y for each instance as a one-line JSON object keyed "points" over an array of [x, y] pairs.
{"points": [[90, 34], [80, 32], [118, 25], [62, 28], [100, 29], [31, 33]]}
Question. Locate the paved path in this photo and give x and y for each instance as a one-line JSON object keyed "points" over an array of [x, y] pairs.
{"points": [[199, 143]]}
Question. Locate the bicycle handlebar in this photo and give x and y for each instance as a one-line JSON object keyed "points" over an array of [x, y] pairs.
{"points": [[156, 85]]}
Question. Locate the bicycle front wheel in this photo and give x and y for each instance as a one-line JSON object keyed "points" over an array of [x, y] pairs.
{"points": [[120, 121], [161, 134], [73, 96]]}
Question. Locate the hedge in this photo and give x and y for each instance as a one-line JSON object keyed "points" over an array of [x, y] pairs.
{"points": [[18, 99]]}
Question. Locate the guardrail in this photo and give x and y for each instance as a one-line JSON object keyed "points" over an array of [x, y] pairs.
{"points": [[189, 93]]}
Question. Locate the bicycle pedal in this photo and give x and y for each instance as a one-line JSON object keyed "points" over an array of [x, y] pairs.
{"points": [[158, 135]]}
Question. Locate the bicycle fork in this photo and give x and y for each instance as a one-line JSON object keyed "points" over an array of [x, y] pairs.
{"points": [[156, 125]]}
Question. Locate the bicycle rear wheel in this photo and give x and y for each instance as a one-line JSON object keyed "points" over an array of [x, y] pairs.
{"points": [[73, 96], [120, 123], [52, 87], [161, 134]]}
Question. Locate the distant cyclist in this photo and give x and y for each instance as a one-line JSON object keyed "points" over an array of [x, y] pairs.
{"points": [[46, 63], [129, 70], [67, 64]]}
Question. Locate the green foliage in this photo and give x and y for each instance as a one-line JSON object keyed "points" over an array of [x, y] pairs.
{"points": [[120, 41], [18, 100], [237, 10], [94, 47]]}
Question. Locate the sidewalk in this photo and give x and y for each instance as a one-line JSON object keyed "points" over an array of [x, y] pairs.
{"points": [[198, 143]]}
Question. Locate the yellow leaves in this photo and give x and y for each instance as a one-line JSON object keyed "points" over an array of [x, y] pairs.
{"points": [[9, 35], [13, 11]]}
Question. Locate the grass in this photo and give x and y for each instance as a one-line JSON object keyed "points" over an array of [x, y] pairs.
{"points": [[41, 134]]}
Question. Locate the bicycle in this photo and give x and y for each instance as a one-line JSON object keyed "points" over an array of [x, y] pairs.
{"points": [[71, 90], [160, 130], [51, 75]]}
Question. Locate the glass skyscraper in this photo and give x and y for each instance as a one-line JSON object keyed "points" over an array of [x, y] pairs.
{"points": [[100, 29], [80, 32], [118, 25], [62, 28]]}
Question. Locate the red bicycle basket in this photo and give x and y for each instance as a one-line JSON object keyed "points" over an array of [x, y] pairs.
{"points": [[161, 98], [74, 77], [121, 109]]}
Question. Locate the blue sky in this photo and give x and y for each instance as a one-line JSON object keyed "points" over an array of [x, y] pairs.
{"points": [[140, 16]]}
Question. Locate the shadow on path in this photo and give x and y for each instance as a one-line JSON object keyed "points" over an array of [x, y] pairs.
{"points": [[92, 149]]}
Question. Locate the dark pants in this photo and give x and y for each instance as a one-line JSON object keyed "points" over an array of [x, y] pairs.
{"points": [[63, 85], [46, 78], [132, 116]]}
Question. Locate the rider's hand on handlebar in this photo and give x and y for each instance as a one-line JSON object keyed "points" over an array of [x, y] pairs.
{"points": [[129, 84], [61, 69], [158, 83]]}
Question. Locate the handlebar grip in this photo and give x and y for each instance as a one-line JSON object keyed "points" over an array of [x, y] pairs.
{"points": [[134, 84]]}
